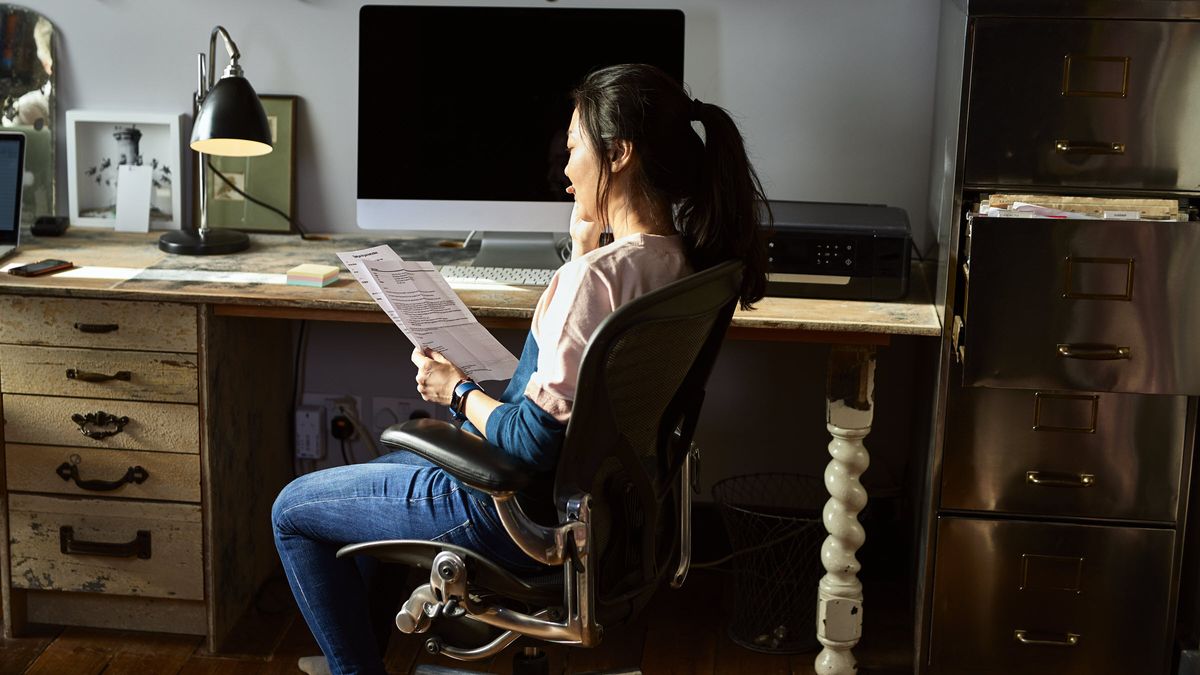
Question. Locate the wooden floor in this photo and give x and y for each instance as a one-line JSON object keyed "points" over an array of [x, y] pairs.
{"points": [[681, 632]]}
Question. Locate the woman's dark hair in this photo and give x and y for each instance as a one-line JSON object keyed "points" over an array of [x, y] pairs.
{"points": [[710, 185]]}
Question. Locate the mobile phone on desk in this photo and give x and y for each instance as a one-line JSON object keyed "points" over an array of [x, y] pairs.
{"points": [[41, 267]]}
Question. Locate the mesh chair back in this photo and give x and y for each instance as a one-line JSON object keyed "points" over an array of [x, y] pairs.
{"points": [[641, 385]]}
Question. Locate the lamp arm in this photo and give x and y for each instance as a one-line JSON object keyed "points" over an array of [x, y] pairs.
{"points": [[234, 55]]}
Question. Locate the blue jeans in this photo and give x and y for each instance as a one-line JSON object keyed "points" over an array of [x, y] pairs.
{"points": [[397, 496]]}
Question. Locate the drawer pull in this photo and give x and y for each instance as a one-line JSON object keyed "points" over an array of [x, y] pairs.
{"points": [[1077, 480], [140, 546], [96, 327], [1067, 640], [1093, 352], [99, 419], [1089, 147], [69, 471], [85, 376]]}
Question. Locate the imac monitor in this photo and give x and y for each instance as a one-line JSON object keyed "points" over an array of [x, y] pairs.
{"points": [[463, 112]]}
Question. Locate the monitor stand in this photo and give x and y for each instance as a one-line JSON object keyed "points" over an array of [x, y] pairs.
{"points": [[538, 250]]}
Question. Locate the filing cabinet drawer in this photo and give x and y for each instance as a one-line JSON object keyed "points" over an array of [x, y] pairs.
{"points": [[1059, 453], [142, 376], [165, 427], [1042, 598], [100, 324], [118, 547], [1083, 104], [99, 472], [1082, 304]]}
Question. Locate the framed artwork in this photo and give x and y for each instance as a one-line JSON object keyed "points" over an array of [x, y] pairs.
{"points": [[269, 178], [100, 142]]}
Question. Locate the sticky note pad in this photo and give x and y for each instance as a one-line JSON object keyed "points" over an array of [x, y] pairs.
{"points": [[309, 274]]}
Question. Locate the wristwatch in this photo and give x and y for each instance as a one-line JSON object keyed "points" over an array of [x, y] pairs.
{"points": [[458, 401]]}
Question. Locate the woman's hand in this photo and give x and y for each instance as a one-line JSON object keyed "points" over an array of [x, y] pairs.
{"points": [[436, 377], [585, 234]]}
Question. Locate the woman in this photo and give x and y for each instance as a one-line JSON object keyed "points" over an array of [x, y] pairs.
{"points": [[653, 202]]}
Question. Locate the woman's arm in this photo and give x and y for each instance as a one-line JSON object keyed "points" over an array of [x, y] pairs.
{"points": [[521, 429], [436, 379]]}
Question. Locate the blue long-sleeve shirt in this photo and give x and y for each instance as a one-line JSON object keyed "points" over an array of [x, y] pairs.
{"points": [[518, 426]]}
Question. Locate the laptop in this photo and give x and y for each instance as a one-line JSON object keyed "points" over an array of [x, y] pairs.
{"points": [[12, 179]]}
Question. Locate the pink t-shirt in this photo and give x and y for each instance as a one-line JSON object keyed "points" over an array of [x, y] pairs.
{"points": [[582, 294]]}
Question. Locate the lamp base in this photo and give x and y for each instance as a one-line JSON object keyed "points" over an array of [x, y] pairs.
{"points": [[214, 242]]}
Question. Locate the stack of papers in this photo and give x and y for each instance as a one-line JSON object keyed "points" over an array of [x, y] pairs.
{"points": [[1068, 207], [423, 306]]}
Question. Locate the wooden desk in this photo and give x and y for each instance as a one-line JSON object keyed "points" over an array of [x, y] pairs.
{"points": [[243, 415]]}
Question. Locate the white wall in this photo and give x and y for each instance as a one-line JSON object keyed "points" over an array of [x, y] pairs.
{"points": [[834, 96]]}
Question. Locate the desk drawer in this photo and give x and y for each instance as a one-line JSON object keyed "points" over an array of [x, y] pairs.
{"points": [[101, 324], [96, 472], [165, 427], [106, 546], [1009, 595], [1082, 304], [141, 376], [1084, 104], [1082, 454]]}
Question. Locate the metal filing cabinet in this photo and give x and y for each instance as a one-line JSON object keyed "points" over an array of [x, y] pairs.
{"points": [[1059, 476]]}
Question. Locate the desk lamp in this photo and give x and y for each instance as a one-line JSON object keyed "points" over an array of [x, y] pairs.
{"points": [[229, 122]]}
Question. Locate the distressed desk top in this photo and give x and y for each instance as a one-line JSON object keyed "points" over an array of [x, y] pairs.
{"points": [[115, 265]]}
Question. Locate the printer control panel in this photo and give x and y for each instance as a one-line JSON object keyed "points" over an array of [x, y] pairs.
{"points": [[814, 254]]}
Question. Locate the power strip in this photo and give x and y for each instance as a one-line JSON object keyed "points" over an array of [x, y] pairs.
{"points": [[310, 432]]}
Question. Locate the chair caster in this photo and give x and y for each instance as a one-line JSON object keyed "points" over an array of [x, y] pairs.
{"points": [[531, 661]]}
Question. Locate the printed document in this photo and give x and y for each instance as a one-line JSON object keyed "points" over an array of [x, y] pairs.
{"points": [[420, 302]]}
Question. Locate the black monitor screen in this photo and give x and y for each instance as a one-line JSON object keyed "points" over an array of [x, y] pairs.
{"points": [[470, 103]]}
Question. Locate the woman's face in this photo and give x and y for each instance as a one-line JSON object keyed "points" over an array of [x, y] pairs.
{"points": [[582, 170]]}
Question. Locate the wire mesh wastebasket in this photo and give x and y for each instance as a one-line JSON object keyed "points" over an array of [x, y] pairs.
{"points": [[775, 529]]}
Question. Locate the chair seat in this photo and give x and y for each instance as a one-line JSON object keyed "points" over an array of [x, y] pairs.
{"points": [[541, 589]]}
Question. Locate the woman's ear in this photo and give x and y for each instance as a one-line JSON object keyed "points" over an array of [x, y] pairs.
{"points": [[620, 155]]}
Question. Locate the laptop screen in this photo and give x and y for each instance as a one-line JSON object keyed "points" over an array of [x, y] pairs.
{"points": [[12, 174]]}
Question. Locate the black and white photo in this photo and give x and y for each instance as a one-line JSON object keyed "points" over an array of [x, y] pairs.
{"points": [[100, 142]]}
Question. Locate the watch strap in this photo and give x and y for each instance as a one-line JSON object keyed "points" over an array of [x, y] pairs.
{"points": [[458, 401]]}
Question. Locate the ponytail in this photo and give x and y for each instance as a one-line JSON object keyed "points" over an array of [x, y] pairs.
{"points": [[724, 217]]}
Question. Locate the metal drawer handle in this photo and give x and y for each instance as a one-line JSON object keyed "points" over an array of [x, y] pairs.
{"points": [[99, 419], [1081, 480], [1093, 352], [1068, 639], [1089, 147], [96, 327], [86, 376], [69, 471], [140, 546]]}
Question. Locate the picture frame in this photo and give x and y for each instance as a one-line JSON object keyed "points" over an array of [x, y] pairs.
{"points": [[270, 178], [99, 142]]}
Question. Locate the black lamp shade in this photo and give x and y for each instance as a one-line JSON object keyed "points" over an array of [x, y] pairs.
{"points": [[231, 121]]}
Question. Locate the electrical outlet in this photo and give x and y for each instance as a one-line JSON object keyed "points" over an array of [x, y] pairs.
{"points": [[357, 447], [386, 411], [310, 432]]}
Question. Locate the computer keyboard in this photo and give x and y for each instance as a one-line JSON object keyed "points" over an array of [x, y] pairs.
{"points": [[513, 276]]}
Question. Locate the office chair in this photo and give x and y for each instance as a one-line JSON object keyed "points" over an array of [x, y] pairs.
{"points": [[620, 498]]}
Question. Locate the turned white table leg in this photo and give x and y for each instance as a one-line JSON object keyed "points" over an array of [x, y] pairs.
{"points": [[850, 398]]}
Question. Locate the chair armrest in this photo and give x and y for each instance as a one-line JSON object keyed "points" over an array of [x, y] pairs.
{"points": [[461, 454]]}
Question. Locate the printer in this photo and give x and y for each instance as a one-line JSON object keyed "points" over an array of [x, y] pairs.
{"points": [[834, 250]]}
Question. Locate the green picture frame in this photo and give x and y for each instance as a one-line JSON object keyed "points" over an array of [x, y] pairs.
{"points": [[269, 178]]}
